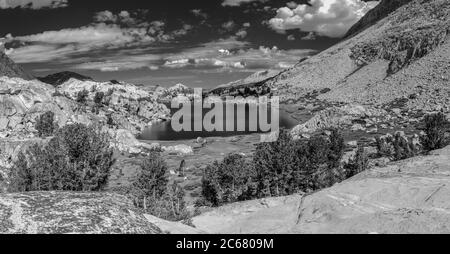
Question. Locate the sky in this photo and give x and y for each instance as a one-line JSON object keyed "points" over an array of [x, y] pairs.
{"points": [[197, 43]]}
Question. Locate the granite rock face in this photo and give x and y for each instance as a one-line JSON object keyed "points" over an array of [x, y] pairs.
{"points": [[71, 213]]}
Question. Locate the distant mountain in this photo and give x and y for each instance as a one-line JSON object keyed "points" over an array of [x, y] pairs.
{"points": [[62, 77], [9, 69]]}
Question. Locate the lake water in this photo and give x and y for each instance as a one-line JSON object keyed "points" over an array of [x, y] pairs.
{"points": [[164, 132]]}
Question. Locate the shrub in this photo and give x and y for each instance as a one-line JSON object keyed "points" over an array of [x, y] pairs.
{"points": [[436, 126], [98, 98], [45, 124], [228, 181], [78, 158], [152, 179], [396, 147], [384, 146], [404, 148], [82, 96], [359, 163], [150, 191], [171, 206], [337, 148], [110, 120]]}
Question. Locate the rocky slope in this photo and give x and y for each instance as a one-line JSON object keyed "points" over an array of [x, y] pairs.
{"points": [[68, 213], [409, 196], [382, 10], [10, 69], [394, 61]]}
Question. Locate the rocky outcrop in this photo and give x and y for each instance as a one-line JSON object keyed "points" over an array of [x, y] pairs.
{"points": [[69, 213], [342, 117], [125, 141], [9, 69], [127, 106], [22, 101], [409, 196]]}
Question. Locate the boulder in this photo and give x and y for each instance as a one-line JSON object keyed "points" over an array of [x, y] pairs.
{"points": [[71, 213], [178, 149], [125, 141]]}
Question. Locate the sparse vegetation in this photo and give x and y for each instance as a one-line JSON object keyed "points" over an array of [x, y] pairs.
{"points": [[359, 163], [78, 158], [45, 124]]}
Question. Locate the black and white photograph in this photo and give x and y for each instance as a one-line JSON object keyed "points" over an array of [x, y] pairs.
{"points": [[252, 119]]}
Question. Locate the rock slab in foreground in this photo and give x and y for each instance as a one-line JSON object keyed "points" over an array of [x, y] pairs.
{"points": [[71, 213], [410, 196]]}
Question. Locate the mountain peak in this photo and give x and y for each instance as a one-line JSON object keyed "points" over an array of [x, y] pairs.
{"points": [[59, 78]]}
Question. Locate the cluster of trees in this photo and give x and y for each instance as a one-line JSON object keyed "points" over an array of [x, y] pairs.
{"points": [[280, 168], [77, 158], [151, 190]]}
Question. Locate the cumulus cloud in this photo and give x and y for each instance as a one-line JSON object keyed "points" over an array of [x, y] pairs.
{"points": [[109, 32], [33, 4], [330, 18], [90, 36]]}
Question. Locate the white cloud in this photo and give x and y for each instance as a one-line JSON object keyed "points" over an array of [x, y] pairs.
{"points": [[233, 55], [228, 25], [121, 62], [90, 36], [199, 13], [33, 4], [105, 16], [109, 34], [330, 18], [241, 33]]}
